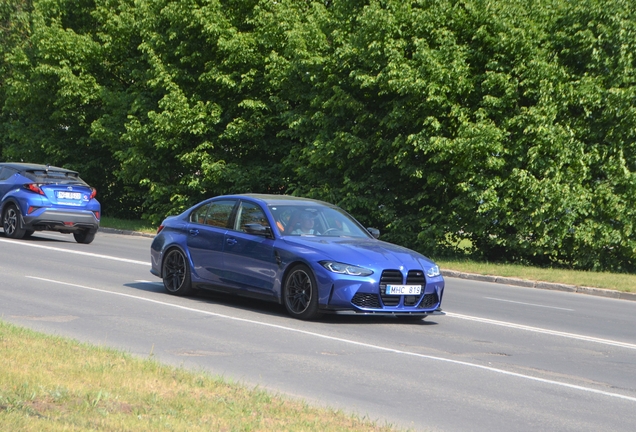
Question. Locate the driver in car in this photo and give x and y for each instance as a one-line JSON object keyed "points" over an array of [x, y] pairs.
{"points": [[306, 225]]}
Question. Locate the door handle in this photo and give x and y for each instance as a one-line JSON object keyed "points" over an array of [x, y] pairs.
{"points": [[231, 241], [194, 232]]}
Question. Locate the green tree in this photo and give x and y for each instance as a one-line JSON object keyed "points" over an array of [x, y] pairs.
{"points": [[52, 95], [506, 124]]}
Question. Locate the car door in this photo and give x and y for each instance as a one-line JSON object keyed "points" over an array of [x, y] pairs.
{"points": [[250, 259], [207, 227]]}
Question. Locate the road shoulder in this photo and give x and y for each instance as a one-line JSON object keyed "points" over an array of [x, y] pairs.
{"points": [[541, 285]]}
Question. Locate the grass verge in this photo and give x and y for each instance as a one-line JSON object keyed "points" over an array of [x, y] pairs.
{"points": [[614, 281], [127, 225], [49, 383]]}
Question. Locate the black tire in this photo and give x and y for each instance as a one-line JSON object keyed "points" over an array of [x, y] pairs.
{"points": [[11, 222], [84, 236], [28, 233], [176, 273], [300, 293]]}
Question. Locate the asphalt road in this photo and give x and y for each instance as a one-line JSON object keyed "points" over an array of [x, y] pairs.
{"points": [[503, 359]]}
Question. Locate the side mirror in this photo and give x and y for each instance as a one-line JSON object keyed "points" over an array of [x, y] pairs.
{"points": [[258, 229], [374, 232]]}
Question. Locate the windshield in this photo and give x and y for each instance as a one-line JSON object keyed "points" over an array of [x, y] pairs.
{"points": [[314, 220]]}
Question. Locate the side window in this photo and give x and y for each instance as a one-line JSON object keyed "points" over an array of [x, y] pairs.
{"points": [[250, 213], [219, 213], [198, 215], [287, 218]]}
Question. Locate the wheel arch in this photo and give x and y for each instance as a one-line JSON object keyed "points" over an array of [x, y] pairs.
{"points": [[170, 247], [286, 272], [311, 305], [179, 280], [10, 200], [20, 229], [319, 277]]}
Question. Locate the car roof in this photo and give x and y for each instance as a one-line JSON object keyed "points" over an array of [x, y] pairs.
{"points": [[21, 166], [273, 199]]}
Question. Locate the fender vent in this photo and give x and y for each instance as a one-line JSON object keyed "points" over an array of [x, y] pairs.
{"points": [[369, 301], [429, 301]]}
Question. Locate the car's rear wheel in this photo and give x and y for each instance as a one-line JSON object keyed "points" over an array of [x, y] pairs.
{"points": [[84, 236], [176, 273], [300, 293], [11, 222]]}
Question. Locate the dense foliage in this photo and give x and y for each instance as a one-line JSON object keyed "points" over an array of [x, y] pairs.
{"points": [[508, 126]]}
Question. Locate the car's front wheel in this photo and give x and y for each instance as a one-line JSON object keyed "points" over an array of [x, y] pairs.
{"points": [[300, 293], [176, 273], [84, 236], [11, 222]]}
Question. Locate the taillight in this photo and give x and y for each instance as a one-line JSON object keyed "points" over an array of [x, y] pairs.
{"points": [[159, 229], [93, 193], [96, 213], [34, 188], [32, 209]]}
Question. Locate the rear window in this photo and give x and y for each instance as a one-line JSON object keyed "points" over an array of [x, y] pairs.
{"points": [[51, 176]]}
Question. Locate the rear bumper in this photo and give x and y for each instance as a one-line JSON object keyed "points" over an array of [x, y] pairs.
{"points": [[60, 220]]}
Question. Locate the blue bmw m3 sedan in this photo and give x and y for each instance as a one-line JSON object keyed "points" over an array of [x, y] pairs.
{"points": [[309, 255]]}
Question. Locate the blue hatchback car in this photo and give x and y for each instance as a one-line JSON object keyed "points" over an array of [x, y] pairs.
{"points": [[308, 255], [41, 197]]}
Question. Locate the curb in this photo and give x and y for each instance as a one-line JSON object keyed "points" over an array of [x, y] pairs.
{"points": [[541, 285], [125, 232]]}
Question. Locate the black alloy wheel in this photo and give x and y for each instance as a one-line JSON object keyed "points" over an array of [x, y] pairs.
{"points": [[176, 273], [11, 222], [300, 293]]}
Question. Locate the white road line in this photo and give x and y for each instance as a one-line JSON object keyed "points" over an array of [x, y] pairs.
{"points": [[543, 331], [352, 342], [108, 257], [528, 304]]}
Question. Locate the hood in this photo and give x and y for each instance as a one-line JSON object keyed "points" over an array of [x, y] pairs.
{"points": [[363, 252]]}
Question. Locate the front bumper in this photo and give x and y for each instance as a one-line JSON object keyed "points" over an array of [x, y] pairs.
{"points": [[346, 294], [384, 313]]}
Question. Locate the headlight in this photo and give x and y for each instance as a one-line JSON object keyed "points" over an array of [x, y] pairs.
{"points": [[342, 268], [433, 271]]}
